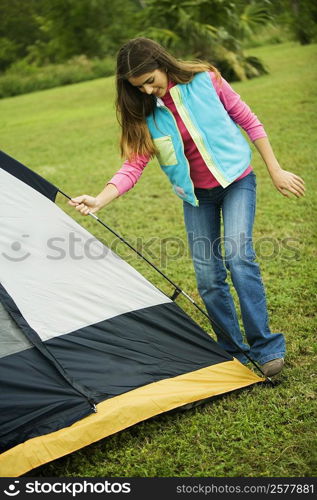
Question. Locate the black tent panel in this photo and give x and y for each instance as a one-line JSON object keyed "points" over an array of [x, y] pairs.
{"points": [[35, 399], [135, 349]]}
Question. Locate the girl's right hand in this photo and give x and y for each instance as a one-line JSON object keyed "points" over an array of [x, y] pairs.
{"points": [[85, 204]]}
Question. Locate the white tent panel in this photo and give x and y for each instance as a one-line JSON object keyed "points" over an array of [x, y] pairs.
{"points": [[61, 277]]}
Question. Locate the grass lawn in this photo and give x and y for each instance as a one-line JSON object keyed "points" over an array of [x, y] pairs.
{"points": [[70, 136]]}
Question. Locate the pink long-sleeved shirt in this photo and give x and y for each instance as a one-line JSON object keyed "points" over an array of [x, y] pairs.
{"points": [[239, 111]]}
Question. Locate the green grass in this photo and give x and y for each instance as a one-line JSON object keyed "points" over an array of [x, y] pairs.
{"points": [[70, 136]]}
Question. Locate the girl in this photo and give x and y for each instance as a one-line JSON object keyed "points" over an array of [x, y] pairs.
{"points": [[188, 116]]}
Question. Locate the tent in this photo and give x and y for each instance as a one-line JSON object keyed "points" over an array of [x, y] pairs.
{"points": [[88, 346]]}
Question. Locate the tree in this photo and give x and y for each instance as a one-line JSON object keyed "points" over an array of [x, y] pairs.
{"points": [[18, 29], [47, 31], [299, 16], [208, 29], [74, 27], [304, 20]]}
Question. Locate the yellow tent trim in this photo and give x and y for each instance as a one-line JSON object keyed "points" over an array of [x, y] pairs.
{"points": [[127, 409]]}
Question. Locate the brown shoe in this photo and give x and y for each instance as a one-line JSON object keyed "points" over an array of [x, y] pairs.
{"points": [[273, 367]]}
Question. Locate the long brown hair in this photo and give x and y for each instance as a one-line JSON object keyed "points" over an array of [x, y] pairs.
{"points": [[135, 58]]}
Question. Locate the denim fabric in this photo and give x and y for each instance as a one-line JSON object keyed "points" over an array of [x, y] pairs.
{"points": [[236, 203]]}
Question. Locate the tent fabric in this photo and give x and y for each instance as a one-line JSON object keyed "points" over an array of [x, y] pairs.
{"points": [[12, 338], [75, 274], [80, 328], [26, 175], [41, 387]]}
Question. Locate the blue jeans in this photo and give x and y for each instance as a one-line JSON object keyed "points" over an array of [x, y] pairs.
{"points": [[237, 205]]}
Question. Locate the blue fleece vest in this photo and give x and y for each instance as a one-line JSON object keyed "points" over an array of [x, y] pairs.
{"points": [[218, 138]]}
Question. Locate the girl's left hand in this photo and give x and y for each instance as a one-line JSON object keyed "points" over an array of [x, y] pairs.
{"points": [[286, 182]]}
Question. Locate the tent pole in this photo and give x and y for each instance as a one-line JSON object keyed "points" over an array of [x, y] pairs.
{"points": [[178, 291]]}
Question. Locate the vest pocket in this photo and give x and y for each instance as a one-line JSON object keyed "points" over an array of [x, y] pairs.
{"points": [[165, 151]]}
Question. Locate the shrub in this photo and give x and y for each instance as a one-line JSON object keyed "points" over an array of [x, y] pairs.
{"points": [[23, 77]]}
